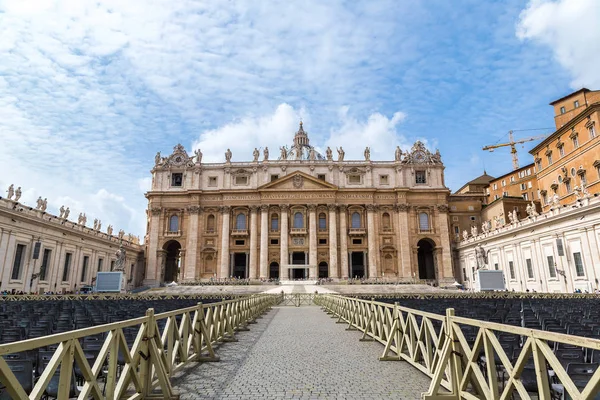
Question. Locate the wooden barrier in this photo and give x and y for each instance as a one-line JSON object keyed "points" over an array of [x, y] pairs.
{"points": [[189, 335], [436, 346]]}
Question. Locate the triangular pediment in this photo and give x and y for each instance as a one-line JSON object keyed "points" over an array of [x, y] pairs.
{"points": [[298, 181]]}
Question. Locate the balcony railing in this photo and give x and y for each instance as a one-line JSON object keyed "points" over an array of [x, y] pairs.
{"points": [[172, 233], [298, 231], [356, 231], [239, 232]]}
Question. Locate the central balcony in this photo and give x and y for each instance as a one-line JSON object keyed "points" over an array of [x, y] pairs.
{"points": [[298, 231], [239, 232], [357, 231]]}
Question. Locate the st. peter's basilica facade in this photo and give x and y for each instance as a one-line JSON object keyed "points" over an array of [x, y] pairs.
{"points": [[302, 215]]}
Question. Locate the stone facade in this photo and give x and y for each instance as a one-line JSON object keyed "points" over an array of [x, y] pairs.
{"points": [[302, 215], [70, 253]]}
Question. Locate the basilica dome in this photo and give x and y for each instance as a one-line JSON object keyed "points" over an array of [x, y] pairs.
{"points": [[301, 149]]}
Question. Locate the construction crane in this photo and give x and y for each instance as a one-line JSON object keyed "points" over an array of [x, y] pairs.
{"points": [[513, 149]]}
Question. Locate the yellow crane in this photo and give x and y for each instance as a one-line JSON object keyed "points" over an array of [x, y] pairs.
{"points": [[513, 149]]}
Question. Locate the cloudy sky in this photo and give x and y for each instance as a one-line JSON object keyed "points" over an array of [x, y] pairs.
{"points": [[91, 90]]}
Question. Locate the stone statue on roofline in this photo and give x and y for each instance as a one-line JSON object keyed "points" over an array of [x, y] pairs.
{"points": [[266, 154], [329, 154], [44, 204], [341, 154], [367, 154], [11, 191], [398, 154], [465, 235], [531, 210], [157, 159], [18, 193], [283, 154], [62, 211], [255, 154], [228, 155], [198, 154], [481, 256], [474, 231]]}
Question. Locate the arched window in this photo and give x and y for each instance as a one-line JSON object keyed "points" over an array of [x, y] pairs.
{"points": [[210, 223], [322, 221], [274, 222], [424, 221], [240, 221], [173, 223], [356, 224], [298, 220], [386, 221]]}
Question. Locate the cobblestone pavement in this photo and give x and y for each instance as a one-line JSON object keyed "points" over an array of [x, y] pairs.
{"points": [[300, 353]]}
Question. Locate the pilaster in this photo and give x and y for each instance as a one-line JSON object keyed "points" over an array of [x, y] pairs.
{"points": [[264, 241], [284, 239], [344, 240], [371, 237], [224, 267], [333, 247], [312, 237], [189, 270], [253, 242]]}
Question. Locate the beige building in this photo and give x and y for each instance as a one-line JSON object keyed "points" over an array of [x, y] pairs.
{"points": [[300, 215], [521, 182], [568, 161], [42, 252]]}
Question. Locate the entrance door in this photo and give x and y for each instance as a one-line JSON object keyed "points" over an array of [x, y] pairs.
{"points": [[298, 258], [239, 265], [425, 259], [298, 273], [323, 270], [274, 270], [358, 264]]}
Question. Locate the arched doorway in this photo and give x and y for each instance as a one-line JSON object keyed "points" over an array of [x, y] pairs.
{"points": [[389, 270], [172, 261], [323, 270], [274, 270], [425, 258]]}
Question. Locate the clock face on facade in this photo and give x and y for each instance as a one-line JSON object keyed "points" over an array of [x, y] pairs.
{"points": [[420, 156]]}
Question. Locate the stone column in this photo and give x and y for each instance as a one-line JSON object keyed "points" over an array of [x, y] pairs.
{"points": [[402, 237], [264, 237], [595, 253], [253, 241], [588, 263], [5, 272], [161, 257], [189, 271], [445, 274], [333, 247], [344, 241], [224, 270], [371, 237], [153, 277], [283, 227], [312, 236]]}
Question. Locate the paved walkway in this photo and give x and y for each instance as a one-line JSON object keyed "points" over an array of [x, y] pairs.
{"points": [[300, 353]]}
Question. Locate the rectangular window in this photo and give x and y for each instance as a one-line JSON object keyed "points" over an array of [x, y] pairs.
{"points": [[471, 208], [538, 164], [561, 151], [583, 179], [523, 186], [529, 268], [529, 185], [86, 260], [322, 241], [177, 179], [592, 132], [505, 194], [578, 264], [240, 242], [575, 142], [66, 267], [100, 262], [112, 265], [45, 264], [551, 267], [511, 269], [274, 241], [212, 181], [383, 179], [496, 197], [18, 263], [525, 197], [496, 266], [549, 159], [241, 180], [321, 177], [274, 177], [455, 219], [495, 186], [456, 230], [562, 110], [576, 103], [354, 179], [420, 177], [568, 186], [503, 183], [512, 178], [356, 241]]}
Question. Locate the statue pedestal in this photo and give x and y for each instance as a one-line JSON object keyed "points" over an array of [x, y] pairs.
{"points": [[489, 280]]}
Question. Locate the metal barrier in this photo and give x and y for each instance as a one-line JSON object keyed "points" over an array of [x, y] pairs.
{"points": [[297, 299], [436, 346], [188, 336], [129, 296]]}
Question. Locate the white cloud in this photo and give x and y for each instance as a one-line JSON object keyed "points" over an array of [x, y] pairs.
{"points": [[241, 136], [277, 129], [377, 131], [570, 28]]}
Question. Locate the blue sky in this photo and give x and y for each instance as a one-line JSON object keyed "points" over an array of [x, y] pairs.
{"points": [[90, 91]]}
